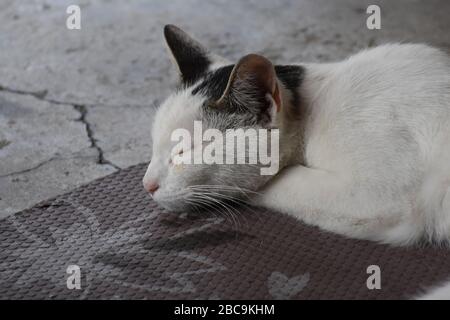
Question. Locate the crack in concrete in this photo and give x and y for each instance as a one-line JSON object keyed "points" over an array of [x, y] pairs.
{"points": [[90, 133], [41, 164], [37, 94], [28, 169], [41, 95]]}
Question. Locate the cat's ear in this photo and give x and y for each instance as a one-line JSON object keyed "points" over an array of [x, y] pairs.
{"points": [[253, 85], [191, 58]]}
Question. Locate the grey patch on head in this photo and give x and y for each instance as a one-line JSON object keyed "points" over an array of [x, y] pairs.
{"points": [[214, 83], [282, 288], [246, 107]]}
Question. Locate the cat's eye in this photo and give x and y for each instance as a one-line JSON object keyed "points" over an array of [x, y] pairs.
{"points": [[178, 153]]}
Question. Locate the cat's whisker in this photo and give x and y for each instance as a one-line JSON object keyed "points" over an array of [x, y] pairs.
{"points": [[225, 188], [245, 204], [236, 200], [216, 203], [227, 208], [200, 198], [197, 206]]}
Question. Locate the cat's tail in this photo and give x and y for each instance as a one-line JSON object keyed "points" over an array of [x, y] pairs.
{"points": [[441, 292], [435, 209], [434, 199], [431, 216]]}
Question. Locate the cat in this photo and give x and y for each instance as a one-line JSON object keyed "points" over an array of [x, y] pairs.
{"points": [[364, 143]]}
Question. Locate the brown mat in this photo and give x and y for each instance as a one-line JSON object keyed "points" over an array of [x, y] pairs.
{"points": [[128, 248]]}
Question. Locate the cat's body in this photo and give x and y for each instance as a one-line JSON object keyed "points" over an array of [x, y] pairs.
{"points": [[375, 162], [364, 143]]}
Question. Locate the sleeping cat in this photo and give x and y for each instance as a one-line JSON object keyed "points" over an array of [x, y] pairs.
{"points": [[364, 144]]}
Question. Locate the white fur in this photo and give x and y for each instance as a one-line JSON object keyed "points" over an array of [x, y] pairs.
{"points": [[439, 293], [376, 146], [168, 119]]}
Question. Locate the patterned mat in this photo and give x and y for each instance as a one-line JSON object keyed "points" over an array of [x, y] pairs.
{"points": [[111, 236]]}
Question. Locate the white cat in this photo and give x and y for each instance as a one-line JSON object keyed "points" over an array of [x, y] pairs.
{"points": [[364, 143]]}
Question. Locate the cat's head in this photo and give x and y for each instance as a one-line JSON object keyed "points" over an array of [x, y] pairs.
{"points": [[220, 95]]}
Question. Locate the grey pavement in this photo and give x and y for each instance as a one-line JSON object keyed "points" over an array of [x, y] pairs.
{"points": [[76, 105]]}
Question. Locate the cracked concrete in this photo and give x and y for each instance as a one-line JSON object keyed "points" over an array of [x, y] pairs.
{"points": [[76, 105], [90, 133], [46, 151]]}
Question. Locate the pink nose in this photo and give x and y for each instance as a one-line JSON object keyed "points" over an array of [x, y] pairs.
{"points": [[151, 186]]}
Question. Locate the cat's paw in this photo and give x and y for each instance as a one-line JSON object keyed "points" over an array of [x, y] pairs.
{"points": [[265, 197]]}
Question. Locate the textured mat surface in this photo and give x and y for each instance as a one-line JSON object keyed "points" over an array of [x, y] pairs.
{"points": [[128, 248]]}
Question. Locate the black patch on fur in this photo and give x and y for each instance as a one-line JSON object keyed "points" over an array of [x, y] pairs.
{"points": [[215, 82], [192, 60], [291, 77]]}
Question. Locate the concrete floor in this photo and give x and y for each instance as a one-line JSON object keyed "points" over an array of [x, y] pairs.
{"points": [[76, 105]]}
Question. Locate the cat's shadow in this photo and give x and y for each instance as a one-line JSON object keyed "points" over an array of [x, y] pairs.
{"points": [[195, 230]]}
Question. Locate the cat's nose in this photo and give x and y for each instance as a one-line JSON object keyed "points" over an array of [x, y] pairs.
{"points": [[151, 186]]}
